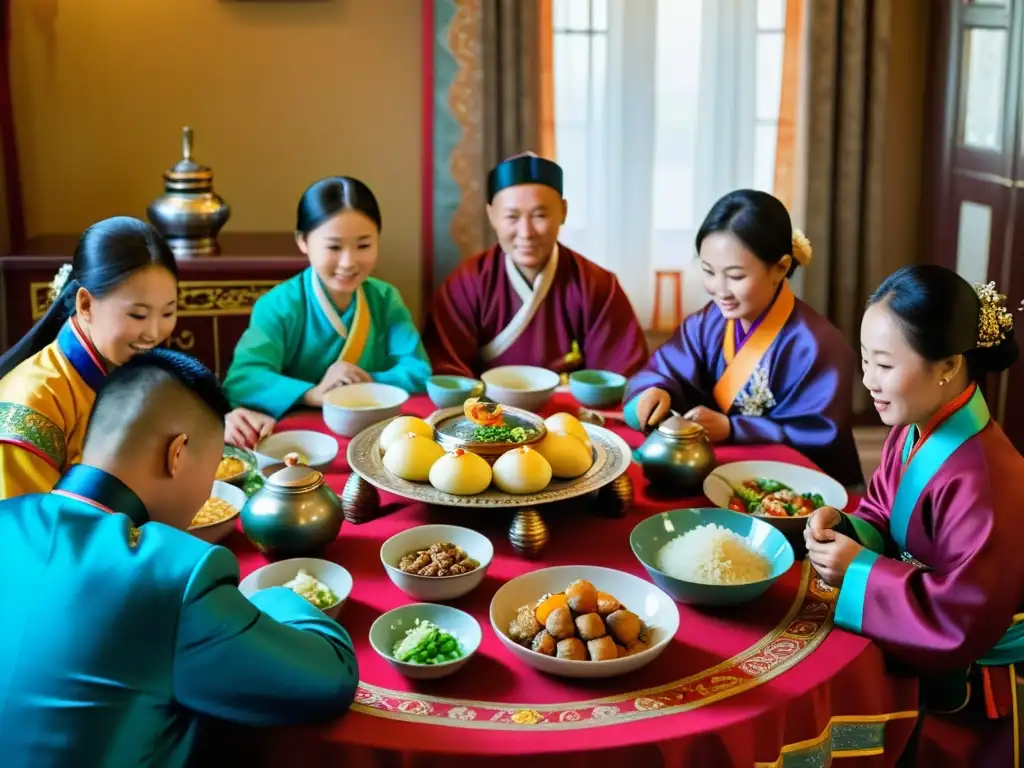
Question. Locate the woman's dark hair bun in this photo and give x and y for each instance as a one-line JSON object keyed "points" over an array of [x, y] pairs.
{"points": [[993, 359]]}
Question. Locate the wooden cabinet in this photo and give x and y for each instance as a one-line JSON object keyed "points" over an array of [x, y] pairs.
{"points": [[215, 294], [975, 221]]}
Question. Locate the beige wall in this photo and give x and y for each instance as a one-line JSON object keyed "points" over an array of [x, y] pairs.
{"points": [[279, 93]]}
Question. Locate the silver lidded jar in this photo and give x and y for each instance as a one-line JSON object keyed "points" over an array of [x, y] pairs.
{"points": [[189, 214], [294, 514], [677, 456]]}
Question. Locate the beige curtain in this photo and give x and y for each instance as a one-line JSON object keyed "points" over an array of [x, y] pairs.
{"points": [[501, 97], [856, 167], [513, 79]]}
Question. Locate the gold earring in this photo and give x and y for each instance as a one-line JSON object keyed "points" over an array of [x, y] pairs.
{"points": [[943, 382]]}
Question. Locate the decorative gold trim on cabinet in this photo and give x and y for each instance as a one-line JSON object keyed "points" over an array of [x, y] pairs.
{"points": [[183, 341], [196, 298]]}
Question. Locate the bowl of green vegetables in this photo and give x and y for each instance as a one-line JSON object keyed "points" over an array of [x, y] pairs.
{"points": [[426, 641]]}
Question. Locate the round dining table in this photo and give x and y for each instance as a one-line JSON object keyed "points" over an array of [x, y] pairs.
{"points": [[770, 683]]}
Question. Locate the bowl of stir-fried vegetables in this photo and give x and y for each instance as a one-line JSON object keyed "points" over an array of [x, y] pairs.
{"points": [[784, 495]]}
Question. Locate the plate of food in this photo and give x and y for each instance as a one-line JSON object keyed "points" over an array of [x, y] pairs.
{"points": [[498, 457], [583, 621], [235, 465], [784, 495]]}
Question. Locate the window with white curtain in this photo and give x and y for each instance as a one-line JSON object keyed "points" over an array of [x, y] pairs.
{"points": [[661, 107]]}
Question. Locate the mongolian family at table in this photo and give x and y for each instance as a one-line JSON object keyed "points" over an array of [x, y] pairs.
{"points": [[109, 445]]}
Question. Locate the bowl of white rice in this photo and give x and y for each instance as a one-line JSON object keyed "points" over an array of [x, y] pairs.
{"points": [[711, 556]]}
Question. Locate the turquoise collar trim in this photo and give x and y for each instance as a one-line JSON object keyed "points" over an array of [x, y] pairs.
{"points": [[960, 427]]}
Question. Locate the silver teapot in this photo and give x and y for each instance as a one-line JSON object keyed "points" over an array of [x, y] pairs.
{"points": [[677, 456], [294, 514]]}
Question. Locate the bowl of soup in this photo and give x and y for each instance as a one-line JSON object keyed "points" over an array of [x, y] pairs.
{"points": [[521, 386], [351, 408]]}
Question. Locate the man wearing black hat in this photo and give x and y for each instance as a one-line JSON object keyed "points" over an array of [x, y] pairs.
{"points": [[529, 300]]}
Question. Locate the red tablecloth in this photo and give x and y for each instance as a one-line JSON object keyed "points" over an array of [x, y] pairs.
{"points": [[737, 686]]}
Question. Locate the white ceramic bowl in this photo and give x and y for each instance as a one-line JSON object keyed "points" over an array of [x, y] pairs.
{"points": [[656, 609], [234, 496], [521, 386], [280, 573], [350, 409], [436, 588], [392, 626], [318, 449], [800, 479]]}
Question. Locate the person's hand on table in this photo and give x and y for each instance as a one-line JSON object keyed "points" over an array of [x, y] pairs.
{"points": [[819, 526], [652, 407], [715, 424], [338, 375], [829, 552], [245, 428]]}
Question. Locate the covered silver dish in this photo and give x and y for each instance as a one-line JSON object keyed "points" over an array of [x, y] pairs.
{"points": [[294, 514]]}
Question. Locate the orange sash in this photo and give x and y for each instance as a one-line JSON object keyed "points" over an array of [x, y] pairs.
{"points": [[739, 366]]}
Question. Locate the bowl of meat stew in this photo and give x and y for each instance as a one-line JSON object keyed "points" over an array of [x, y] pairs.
{"points": [[433, 563]]}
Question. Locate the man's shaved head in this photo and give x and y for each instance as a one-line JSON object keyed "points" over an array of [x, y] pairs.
{"points": [[158, 424]]}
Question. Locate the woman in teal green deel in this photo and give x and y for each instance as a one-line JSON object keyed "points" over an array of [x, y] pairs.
{"points": [[329, 326]]}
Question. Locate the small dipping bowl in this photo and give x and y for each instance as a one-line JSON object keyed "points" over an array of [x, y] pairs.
{"points": [[350, 409], [647, 539], [597, 389], [315, 449], [392, 626], [337, 579], [436, 588], [450, 391]]}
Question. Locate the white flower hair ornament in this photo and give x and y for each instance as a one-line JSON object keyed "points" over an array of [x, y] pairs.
{"points": [[59, 281]]}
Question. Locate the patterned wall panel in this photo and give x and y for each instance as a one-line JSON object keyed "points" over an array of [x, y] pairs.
{"points": [[453, 80]]}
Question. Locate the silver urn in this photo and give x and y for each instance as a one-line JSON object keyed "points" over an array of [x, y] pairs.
{"points": [[189, 214]]}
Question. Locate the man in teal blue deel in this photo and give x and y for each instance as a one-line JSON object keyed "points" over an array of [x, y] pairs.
{"points": [[119, 630]]}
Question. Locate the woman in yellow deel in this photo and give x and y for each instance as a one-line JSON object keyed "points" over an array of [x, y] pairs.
{"points": [[117, 298]]}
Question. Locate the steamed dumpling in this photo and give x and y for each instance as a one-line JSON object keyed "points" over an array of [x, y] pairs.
{"points": [[411, 457], [566, 422], [567, 454], [522, 470], [401, 427], [461, 473]]}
